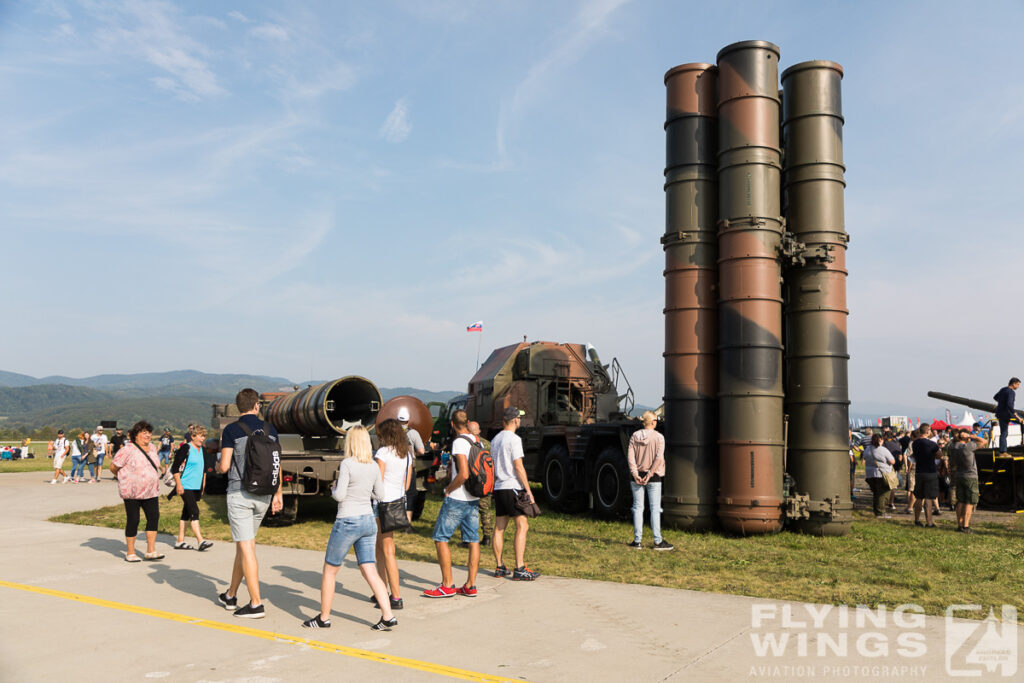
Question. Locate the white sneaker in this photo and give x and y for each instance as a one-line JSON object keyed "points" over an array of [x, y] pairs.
{"points": [[53, 481]]}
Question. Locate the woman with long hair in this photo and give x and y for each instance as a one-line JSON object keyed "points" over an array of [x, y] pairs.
{"points": [[358, 481], [137, 467], [78, 451], [393, 458], [878, 463]]}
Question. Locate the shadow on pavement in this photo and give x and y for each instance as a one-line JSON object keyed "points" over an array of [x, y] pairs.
{"points": [[187, 581], [312, 580], [107, 545]]}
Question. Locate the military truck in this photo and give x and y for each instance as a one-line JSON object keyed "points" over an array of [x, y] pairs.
{"points": [[577, 423]]}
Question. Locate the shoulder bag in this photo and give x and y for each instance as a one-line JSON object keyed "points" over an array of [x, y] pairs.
{"points": [[392, 515]]}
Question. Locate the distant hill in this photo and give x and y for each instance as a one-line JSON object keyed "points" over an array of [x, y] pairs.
{"points": [[172, 399], [26, 399]]}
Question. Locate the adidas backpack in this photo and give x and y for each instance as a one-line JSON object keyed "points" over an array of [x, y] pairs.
{"points": [[480, 481], [262, 472]]}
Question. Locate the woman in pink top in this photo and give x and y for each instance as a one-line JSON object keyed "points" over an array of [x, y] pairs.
{"points": [[137, 468]]}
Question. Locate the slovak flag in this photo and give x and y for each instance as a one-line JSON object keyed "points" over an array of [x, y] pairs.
{"points": [[478, 326]]}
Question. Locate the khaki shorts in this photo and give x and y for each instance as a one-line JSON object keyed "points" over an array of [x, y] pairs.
{"points": [[245, 514], [967, 490]]}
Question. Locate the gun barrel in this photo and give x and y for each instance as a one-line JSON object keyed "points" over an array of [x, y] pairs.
{"points": [[327, 409], [960, 400]]}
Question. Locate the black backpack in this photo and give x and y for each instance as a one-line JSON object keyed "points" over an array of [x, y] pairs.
{"points": [[480, 481], [262, 473]]}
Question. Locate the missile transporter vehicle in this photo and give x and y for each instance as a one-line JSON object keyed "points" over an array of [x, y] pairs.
{"points": [[577, 425], [312, 424]]}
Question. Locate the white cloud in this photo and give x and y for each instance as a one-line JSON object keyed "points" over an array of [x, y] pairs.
{"points": [[339, 77], [396, 127], [274, 32], [238, 16], [151, 31]]}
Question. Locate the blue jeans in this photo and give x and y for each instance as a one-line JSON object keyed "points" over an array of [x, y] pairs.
{"points": [[1004, 427], [654, 496], [360, 532], [458, 514], [77, 466]]}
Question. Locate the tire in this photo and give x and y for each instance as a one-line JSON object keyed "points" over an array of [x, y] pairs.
{"points": [[287, 516], [556, 476], [613, 497]]}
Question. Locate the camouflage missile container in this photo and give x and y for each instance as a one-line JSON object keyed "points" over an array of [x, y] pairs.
{"points": [[751, 432], [817, 385], [691, 309]]}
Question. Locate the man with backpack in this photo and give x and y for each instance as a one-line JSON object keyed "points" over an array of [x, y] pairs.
{"points": [[459, 509], [250, 456]]}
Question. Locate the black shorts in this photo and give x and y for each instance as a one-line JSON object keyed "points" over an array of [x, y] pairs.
{"points": [[927, 485], [505, 503], [190, 505]]}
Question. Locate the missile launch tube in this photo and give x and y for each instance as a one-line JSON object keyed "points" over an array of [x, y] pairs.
{"points": [[751, 437], [327, 409], [817, 385], [691, 250]]}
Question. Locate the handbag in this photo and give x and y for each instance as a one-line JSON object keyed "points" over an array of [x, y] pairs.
{"points": [[892, 479], [525, 506], [392, 515]]}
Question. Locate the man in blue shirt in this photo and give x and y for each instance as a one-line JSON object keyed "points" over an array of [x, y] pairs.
{"points": [[1004, 409]]}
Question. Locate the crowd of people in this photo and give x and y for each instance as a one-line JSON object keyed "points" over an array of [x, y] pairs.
{"points": [[933, 468], [87, 451]]}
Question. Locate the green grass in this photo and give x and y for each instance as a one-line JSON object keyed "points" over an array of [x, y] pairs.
{"points": [[879, 562], [40, 463]]}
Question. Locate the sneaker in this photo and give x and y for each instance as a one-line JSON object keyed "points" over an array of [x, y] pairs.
{"points": [[396, 603], [468, 591], [968, 530], [385, 625], [930, 526], [501, 570], [251, 612], [636, 545], [316, 622], [918, 523], [664, 545], [936, 512], [229, 603], [441, 591], [53, 481], [524, 574]]}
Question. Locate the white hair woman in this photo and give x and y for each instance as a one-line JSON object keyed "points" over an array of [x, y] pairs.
{"points": [[359, 480], [646, 459]]}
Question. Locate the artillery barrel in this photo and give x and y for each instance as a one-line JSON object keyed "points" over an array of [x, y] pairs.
{"points": [[327, 409], [969, 402]]}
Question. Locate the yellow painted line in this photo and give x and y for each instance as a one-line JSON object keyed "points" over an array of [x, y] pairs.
{"points": [[370, 655]]}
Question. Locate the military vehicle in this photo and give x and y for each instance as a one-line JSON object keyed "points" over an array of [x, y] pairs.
{"points": [[1000, 477], [577, 423], [312, 423]]}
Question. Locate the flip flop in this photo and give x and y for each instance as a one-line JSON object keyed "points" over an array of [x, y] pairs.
{"points": [[205, 544], [182, 545], [150, 557], [132, 558]]}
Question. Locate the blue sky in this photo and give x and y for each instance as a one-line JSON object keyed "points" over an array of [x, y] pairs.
{"points": [[329, 188]]}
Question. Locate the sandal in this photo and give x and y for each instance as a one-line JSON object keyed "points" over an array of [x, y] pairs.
{"points": [[181, 545], [132, 558], [204, 545], [149, 557]]}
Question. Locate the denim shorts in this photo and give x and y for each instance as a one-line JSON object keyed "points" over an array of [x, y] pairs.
{"points": [[458, 514], [245, 514], [360, 532]]}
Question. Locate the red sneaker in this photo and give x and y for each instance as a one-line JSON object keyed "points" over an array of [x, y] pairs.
{"points": [[468, 591], [442, 591]]}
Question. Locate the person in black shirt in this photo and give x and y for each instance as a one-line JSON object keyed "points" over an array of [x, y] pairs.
{"points": [[118, 441], [926, 489], [1004, 409]]}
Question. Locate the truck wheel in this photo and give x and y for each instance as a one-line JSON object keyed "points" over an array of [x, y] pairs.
{"points": [[287, 516], [556, 476], [612, 495]]}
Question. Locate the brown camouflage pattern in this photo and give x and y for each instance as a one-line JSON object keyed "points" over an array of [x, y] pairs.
{"points": [[817, 385], [691, 319], [751, 437]]}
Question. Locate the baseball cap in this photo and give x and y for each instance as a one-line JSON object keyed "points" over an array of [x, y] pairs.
{"points": [[100, 428], [403, 414], [512, 413], [59, 432]]}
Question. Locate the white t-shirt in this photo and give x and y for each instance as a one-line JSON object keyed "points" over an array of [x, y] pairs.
{"points": [[460, 446], [506, 448], [60, 447], [394, 473], [101, 444]]}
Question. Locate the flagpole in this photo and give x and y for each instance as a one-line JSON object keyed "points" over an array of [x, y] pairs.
{"points": [[479, 341]]}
